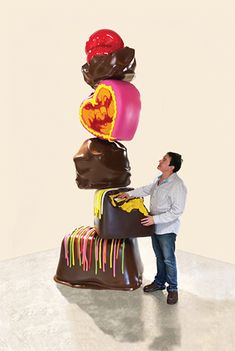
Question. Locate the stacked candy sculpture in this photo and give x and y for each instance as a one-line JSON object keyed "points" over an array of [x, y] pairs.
{"points": [[106, 256]]}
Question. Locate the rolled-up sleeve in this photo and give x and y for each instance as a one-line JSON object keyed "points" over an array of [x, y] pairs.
{"points": [[178, 199]]}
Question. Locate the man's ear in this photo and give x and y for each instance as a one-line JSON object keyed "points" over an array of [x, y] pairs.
{"points": [[172, 167]]}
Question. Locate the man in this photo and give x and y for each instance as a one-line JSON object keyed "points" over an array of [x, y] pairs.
{"points": [[167, 202]]}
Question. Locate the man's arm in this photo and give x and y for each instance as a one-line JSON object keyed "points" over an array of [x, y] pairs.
{"points": [[142, 191], [138, 192], [177, 208]]}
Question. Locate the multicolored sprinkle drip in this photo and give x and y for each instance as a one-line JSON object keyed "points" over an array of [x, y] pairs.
{"points": [[83, 243], [99, 200]]}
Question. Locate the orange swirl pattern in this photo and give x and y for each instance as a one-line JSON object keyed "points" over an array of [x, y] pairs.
{"points": [[98, 113]]}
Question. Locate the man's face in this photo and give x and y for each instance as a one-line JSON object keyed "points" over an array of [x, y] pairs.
{"points": [[164, 164]]}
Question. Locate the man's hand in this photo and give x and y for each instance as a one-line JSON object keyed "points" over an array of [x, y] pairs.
{"points": [[124, 196], [147, 221]]}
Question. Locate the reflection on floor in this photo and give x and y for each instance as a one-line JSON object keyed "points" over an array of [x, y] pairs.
{"points": [[39, 315]]}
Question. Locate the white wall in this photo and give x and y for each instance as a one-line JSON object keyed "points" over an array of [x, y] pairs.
{"points": [[185, 53]]}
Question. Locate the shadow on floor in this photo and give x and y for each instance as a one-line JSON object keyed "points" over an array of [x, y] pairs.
{"points": [[166, 333], [129, 316], [116, 313], [134, 317]]}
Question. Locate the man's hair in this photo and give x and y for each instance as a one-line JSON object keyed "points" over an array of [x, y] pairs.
{"points": [[176, 161]]}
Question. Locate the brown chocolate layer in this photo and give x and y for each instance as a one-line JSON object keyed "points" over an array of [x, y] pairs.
{"points": [[102, 164], [116, 223], [118, 266], [118, 65]]}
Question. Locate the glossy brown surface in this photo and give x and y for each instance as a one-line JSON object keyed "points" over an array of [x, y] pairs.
{"points": [[102, 164], [116, 223], [118, 65], [129, 279]]}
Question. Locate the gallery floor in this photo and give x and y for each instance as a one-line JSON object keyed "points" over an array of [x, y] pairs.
{"points": [[36, 314]]}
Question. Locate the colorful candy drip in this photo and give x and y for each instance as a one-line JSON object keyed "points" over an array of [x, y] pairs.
{"points": [[81, 241], [99, 200]]}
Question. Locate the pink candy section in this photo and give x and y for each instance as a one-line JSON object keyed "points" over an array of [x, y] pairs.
{"points": [[128, 109]]}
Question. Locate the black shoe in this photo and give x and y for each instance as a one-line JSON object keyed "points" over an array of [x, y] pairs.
{"points": [[152, 287], [172, 297]]}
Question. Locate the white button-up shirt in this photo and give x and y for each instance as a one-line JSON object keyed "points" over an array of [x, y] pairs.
{"points": [[167, 202]]}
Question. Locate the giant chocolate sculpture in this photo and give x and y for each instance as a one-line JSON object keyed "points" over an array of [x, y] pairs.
{"points": [[106, 256]]}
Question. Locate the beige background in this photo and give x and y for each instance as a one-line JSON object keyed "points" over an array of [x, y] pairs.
{"points": [[185, 73]]}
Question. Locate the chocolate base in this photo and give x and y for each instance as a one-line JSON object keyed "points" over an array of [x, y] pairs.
{"points": [[129, 279]]}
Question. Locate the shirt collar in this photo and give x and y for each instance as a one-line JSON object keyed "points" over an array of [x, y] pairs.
{"points": [[169, 179]]}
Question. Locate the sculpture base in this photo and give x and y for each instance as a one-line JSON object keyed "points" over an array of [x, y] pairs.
{"points": [[87, 261], [98, 285]]}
